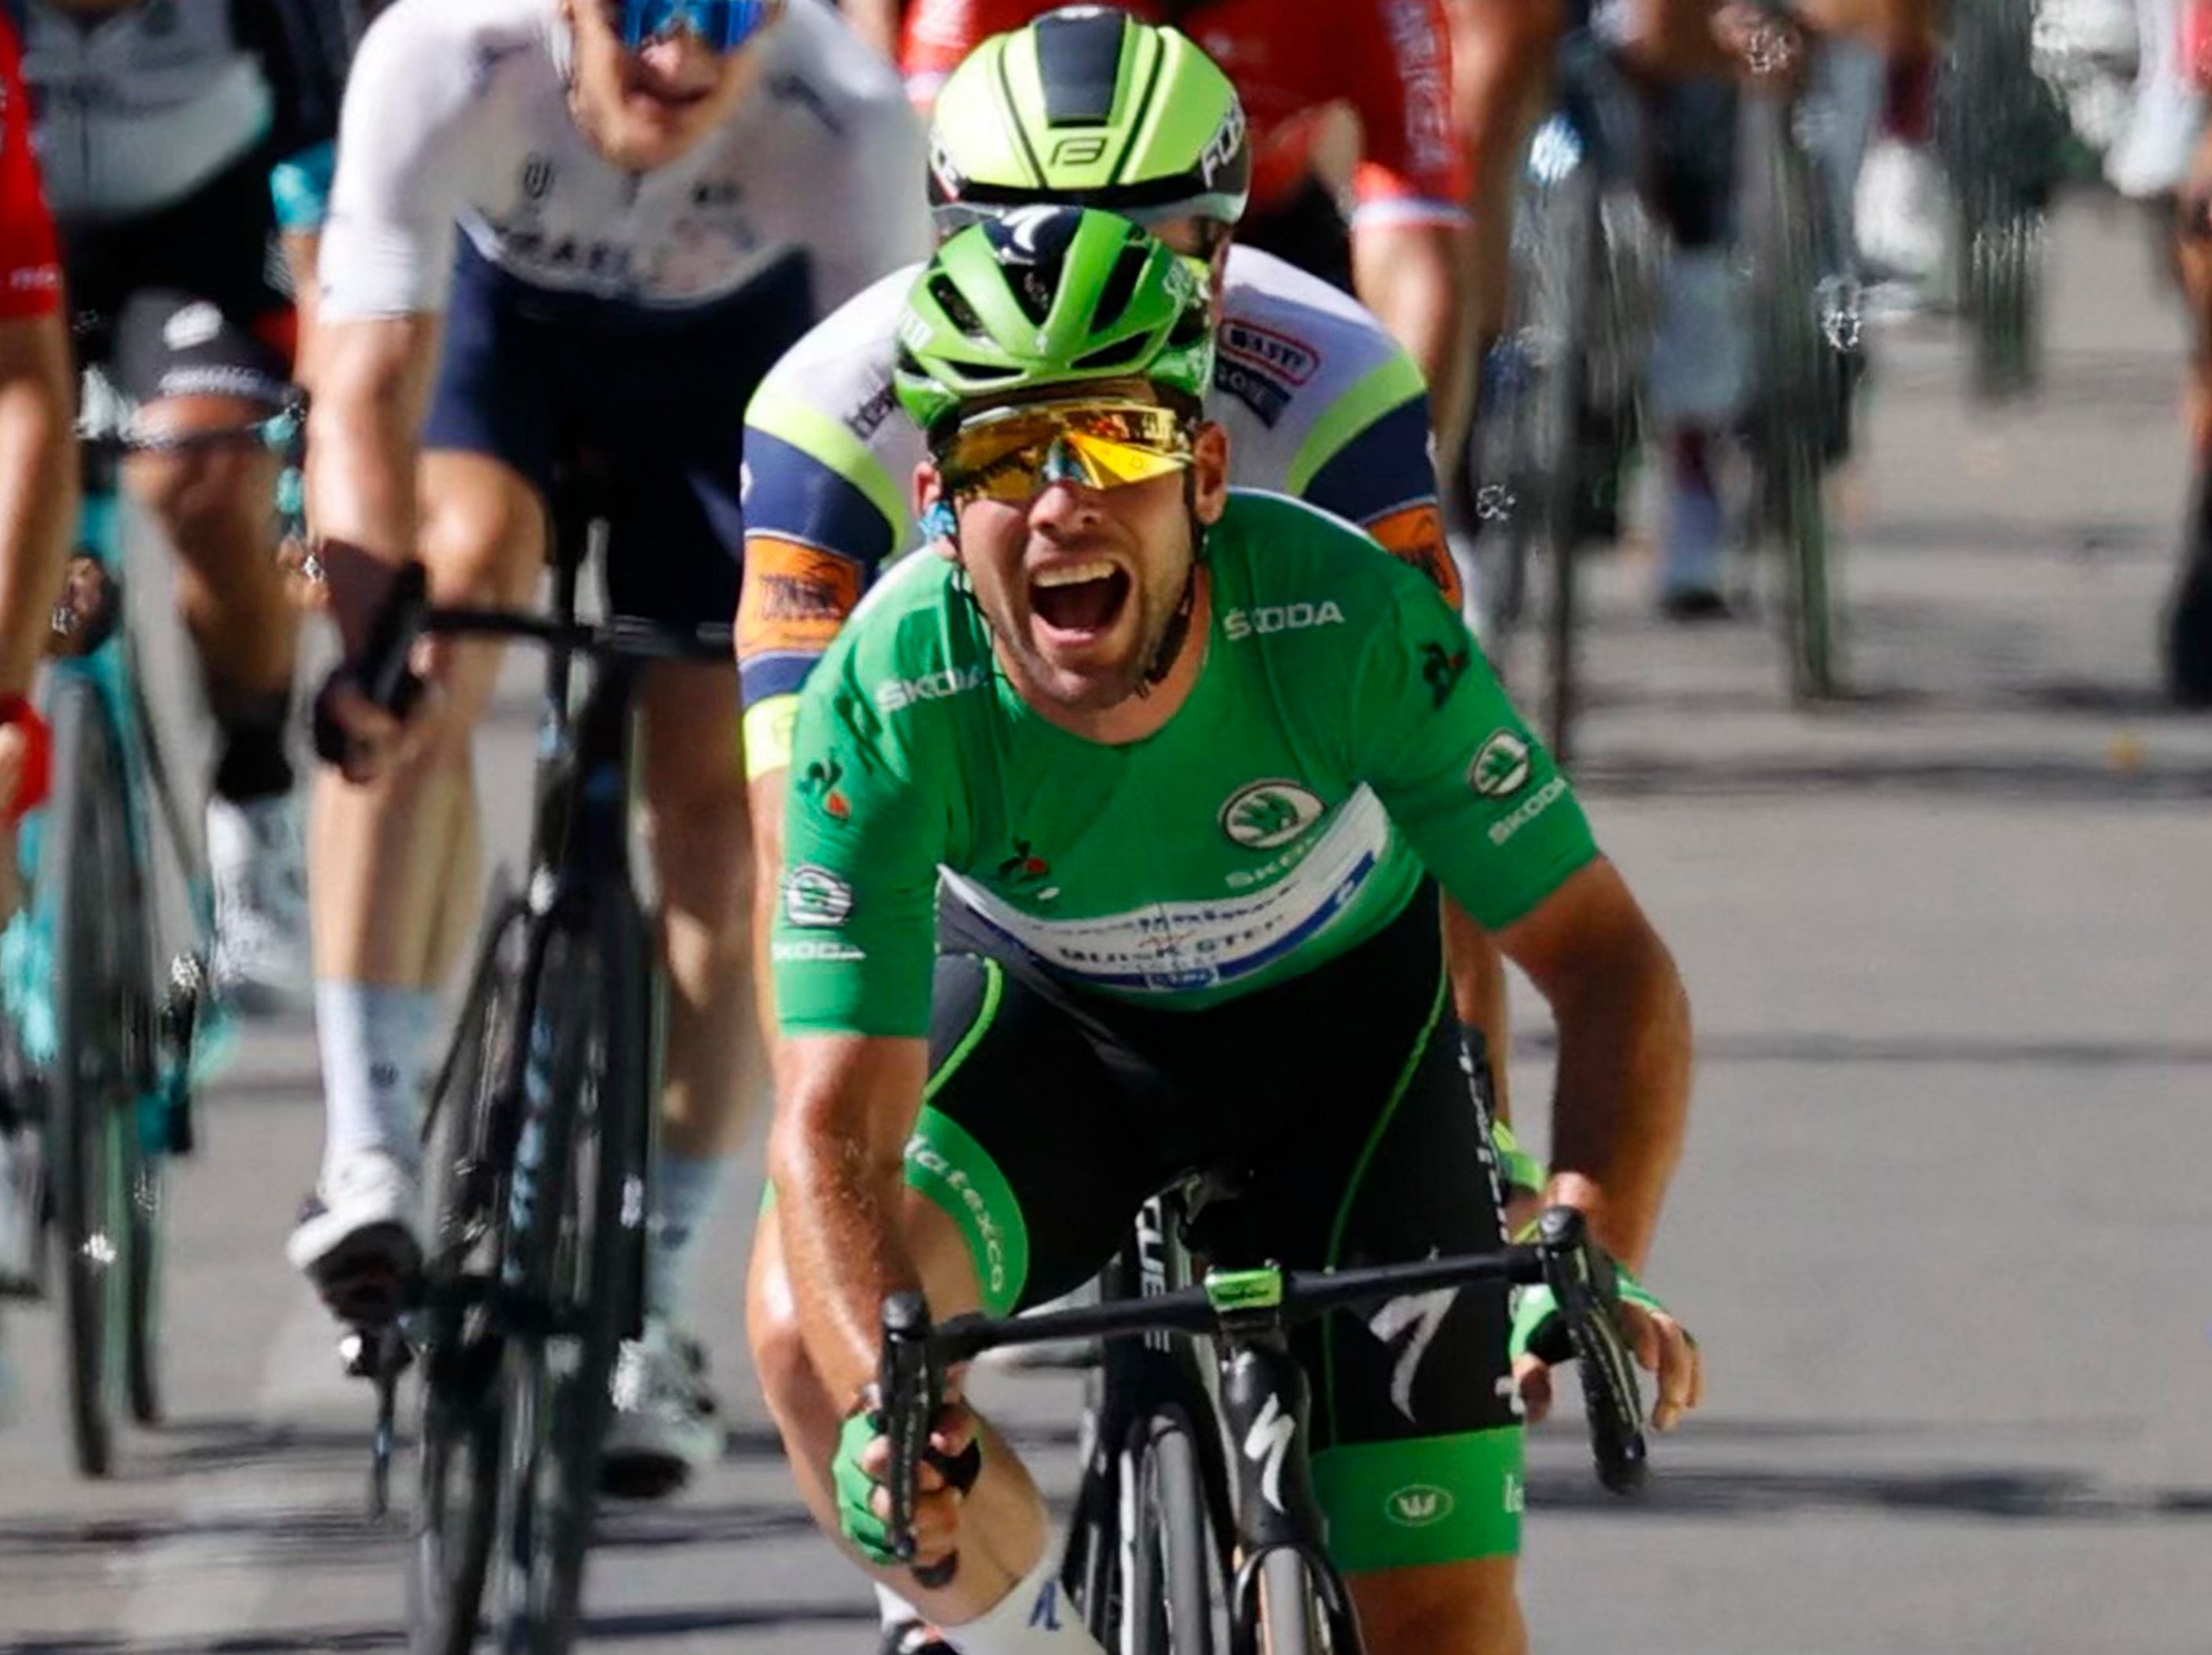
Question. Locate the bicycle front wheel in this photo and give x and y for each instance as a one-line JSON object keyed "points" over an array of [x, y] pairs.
{"points": [[1172, 1599], [92, 898], [458, 1505], [576, 1218], [1798, 400]]}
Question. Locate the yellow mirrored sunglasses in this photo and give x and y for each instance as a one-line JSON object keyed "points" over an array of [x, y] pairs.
{"points": [[1010, 454]]}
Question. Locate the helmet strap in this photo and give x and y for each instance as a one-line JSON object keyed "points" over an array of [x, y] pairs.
{"points": [[1178, 628]]}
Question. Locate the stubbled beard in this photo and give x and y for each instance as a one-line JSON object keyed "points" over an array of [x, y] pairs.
{"points": [[1100, 693]]}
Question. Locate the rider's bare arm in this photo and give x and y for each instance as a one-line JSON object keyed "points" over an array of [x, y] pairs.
{"points": [[1624, 1080], [362, 442], [38, 488], [846, 1105], [1414, 277]]}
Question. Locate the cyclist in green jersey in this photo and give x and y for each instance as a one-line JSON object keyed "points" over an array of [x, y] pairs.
{"points": [[1188, 763]]}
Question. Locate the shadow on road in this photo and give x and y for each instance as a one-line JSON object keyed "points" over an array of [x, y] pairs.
{"points": [[638, 1625], [2026, 1495], [2089, 779], [1911, 1051]]}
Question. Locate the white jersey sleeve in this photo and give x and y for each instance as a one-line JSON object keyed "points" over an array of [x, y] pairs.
{"points": [[410, 148], [871, 211]]}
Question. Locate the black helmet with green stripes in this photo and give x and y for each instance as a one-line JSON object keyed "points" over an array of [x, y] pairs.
{"points": [[1091, 106], [1045, 299]]}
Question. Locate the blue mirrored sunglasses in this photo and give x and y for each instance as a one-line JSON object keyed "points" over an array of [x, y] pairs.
{"points": [[721, 25]]}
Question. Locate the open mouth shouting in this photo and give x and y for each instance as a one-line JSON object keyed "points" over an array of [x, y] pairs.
{"points": [[1075, 606]]}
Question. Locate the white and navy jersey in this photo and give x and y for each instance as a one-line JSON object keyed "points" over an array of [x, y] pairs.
{"points": [[1318, 400], [139, 108], [458, 118]]}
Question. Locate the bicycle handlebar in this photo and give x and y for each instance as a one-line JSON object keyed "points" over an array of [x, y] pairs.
{"points": [[915, 1355], [380, 670]]}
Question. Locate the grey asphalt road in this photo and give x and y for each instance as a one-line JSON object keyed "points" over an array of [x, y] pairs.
{"points": [[1942, 1225]]}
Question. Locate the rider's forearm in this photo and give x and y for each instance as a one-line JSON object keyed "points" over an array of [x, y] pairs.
{"points": [[1624, 1089], [362, 443], [300, 248], [1415, 278], [38, 489], [845, 1107]]}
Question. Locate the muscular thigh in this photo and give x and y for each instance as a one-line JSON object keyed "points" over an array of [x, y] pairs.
{"points": [[1027, 1137], [482, 532]]}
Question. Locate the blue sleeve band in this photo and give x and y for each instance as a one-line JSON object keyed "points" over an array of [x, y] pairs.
{"points": [[1384, 467], [301, 187]]}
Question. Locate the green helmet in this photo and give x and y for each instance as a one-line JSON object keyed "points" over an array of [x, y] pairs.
{"points": [[1047, 297], [1088, 106]]}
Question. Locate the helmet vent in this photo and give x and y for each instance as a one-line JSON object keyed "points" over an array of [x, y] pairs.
{"points": [[1121, 352], [1121, 283], [955, 305], [1080, 62]]}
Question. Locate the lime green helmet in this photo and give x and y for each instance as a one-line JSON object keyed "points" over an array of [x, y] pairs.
{"points": [[1046, 299], [1089, 106]]}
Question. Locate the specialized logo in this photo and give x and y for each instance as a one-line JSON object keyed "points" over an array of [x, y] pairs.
{"points": [[1418, 1506], [1529, 810], [899, 694], [1422, 1315], [1265, 1444], [1265, 815], [1270, 619], [1500, 768], [815, 897]]}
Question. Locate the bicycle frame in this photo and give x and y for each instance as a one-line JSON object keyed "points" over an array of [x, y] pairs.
{"points": [[1261, 1401]]}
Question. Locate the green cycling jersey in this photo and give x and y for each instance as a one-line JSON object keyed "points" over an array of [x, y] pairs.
{"points": [[1344, 735]]}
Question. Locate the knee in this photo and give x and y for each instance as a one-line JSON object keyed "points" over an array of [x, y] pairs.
{"points": [[201, 497], [698, 824], [1472, 1606]]}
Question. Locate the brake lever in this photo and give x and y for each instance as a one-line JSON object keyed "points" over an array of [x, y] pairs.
{"points": [[1582, 1281], [909, 1391]]}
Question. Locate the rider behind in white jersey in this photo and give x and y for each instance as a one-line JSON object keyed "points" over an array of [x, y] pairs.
{"points": [[562, 225]]}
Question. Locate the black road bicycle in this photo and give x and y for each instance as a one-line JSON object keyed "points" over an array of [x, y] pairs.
{"points": [[1809, 356], [110, 1022], [538, 1141], [2002, 131], [1181, 1542], [1557, 416]]}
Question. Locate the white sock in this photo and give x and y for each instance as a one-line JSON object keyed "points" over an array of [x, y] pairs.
{"points": [[1034, 1618], [892, 1609], [684, 1191], [374, 1039]]}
